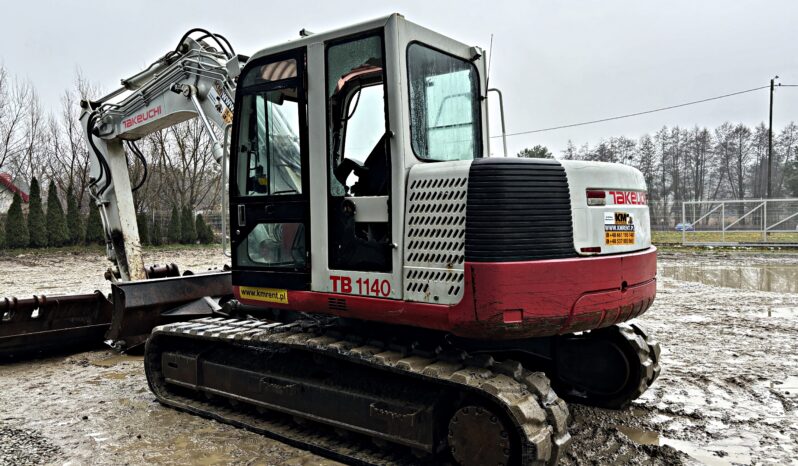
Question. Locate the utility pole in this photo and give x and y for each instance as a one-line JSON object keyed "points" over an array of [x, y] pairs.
{"points": [[770, 137]]}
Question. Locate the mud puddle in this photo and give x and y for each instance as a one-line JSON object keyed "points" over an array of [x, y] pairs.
{"points": [[96, 408], [724, 452], [762, 277]]}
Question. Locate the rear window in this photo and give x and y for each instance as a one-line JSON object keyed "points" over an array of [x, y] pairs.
{"points": [[444, 105]]}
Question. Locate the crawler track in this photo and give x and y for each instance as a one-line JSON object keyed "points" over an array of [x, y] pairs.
{"points": [[628, 363], [521, 401]]}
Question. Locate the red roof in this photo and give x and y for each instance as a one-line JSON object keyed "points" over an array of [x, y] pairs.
{"points": [[5, 180]]}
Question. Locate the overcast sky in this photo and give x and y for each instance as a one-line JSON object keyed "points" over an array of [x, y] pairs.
{"points": [[557, 62]]}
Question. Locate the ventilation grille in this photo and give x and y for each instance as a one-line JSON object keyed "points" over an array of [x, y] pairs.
{"points": [[337, 304], [518, 210], [418, 281], [435, 233]]}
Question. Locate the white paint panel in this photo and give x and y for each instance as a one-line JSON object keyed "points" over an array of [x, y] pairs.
{"points": [[589, 221], [435, 232]]}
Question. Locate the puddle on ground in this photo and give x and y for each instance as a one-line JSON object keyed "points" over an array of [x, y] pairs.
{"points": [[786, 312], [725, 452], [788, 387], [778, 278], [116, 359], [643, 437]]}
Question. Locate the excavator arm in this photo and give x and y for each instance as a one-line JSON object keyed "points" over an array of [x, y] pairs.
{"points": [[194, 80], [197, 79]]}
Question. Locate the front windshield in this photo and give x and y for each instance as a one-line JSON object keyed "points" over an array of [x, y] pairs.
{"points": [[269, 161]]}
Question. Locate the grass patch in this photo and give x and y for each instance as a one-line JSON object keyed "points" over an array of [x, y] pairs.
{"points": [[675, 237], [78, 249], [183, 247]]}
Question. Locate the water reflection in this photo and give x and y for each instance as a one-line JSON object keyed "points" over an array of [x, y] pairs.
{"points": [[723, 452], [778, 278]]}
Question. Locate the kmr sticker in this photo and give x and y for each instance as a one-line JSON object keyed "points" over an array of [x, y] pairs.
{"points": [[269, 295], [619, 229]]}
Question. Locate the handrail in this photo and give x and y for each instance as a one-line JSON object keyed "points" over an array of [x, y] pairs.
{"points": [[501, 111], [225, 153]]}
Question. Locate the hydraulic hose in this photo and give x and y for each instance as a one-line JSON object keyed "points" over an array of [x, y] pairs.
{"points": [[228, 53], [135, 149], [104, 169]]}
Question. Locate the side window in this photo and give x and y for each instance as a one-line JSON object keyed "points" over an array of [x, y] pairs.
{"points": [[366, 123], [274, 245], [269, 157], [444, 105], [355, 115]]}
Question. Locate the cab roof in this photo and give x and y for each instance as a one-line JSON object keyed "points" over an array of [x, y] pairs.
{"points": [[376, 23]]}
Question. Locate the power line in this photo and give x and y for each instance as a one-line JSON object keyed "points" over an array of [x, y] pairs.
{"points": [[629, 115]]}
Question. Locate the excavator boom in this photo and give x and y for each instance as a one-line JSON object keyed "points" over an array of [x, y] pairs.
{"points": [[197, 79]]}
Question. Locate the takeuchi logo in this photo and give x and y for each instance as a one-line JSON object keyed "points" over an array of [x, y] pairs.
{"points": [[628, 197], [142, 117]]}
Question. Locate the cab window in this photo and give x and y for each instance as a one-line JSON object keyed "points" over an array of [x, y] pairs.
{"points": [[444, 105], [269, 161]]}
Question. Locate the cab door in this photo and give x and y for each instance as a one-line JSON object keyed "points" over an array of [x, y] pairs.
{"points": [[362, 173], [269, 192]]}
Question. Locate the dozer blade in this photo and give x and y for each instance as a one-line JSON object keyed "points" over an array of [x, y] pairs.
{"points": [[46, 323], [140, 306]]}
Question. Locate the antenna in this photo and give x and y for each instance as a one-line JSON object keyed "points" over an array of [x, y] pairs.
{"points": [[490, 58]]}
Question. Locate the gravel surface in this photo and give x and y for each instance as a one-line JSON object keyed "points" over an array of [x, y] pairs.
{"points": [[727, 394]]}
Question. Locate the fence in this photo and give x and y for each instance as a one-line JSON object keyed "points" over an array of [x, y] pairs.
{"points": [[740, 222]]}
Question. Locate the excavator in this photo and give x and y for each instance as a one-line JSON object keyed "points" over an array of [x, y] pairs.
{"points": [[394, 294]]}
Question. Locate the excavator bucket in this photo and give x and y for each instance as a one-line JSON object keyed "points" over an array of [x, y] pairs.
{"points": [[140, 306], [44, 324]]}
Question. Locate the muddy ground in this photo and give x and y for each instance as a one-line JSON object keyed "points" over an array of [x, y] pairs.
{"points": [[727, 394]]}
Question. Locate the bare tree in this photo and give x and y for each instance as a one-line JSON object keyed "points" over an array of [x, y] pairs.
{"points": [[13, 108], [69, 161], [786, 148], [188, 171], [742, 155]]}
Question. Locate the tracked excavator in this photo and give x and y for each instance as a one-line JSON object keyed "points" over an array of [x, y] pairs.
{"points": [[395, 295]]}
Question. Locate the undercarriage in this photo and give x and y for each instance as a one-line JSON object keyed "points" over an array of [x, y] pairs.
{"points": [[377, 395]]}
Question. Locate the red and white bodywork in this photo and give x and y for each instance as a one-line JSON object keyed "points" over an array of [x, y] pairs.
{"points": [[480, 247], [605, 280]]}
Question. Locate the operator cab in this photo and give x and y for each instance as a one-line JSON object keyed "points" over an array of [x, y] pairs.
{"points": [[326, 129]]}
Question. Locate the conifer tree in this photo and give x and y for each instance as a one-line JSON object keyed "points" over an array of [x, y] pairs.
{"points": [[173, 235], [188, 232], [37, 229], [156, 237], [94, 227], [57, 234], [74, 222], [16, 228], [204, 232], [144, 228]]}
